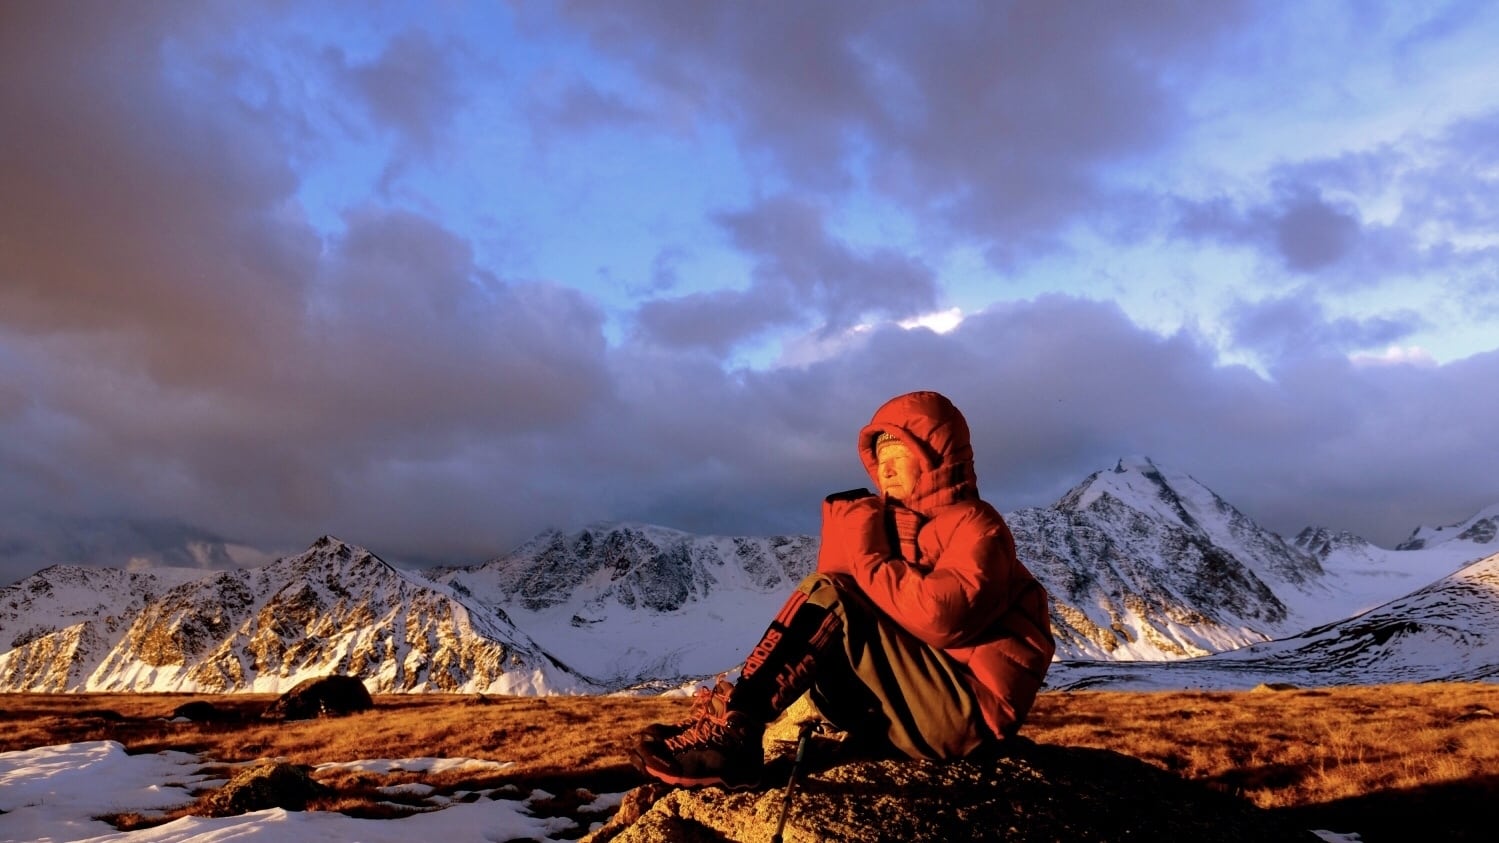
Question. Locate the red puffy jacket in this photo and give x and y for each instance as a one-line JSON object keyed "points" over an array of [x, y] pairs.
{"points": [[965, 592]]}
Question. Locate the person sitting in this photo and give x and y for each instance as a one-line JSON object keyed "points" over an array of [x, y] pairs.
{"points": [[920, 629]]}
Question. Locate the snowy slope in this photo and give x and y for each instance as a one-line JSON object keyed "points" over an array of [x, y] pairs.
{"points": [[1481, 529], [1147, 563], [1360, 576], [1143, 562], [63, 595], [1446, 631], [627, 604], [72, 613], [57, 793]]}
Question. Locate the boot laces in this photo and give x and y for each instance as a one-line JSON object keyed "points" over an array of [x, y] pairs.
{"points": [[703, 700], [709, 729]]}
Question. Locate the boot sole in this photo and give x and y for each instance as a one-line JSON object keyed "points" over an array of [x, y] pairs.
{"points": [[668, 777]]}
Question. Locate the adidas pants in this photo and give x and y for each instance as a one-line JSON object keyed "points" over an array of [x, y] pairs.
{"points": [[880, 681]]}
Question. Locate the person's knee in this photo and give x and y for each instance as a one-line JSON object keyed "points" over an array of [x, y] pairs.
{"points": [[827, 589]]}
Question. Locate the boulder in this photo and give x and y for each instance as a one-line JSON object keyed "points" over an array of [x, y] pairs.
{"points": [[277, 785], [327, 696], [1031, 793], [201, 711], [1271, 687]]}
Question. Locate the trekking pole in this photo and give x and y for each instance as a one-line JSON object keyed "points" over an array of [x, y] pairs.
{"points": [[805, 732]]}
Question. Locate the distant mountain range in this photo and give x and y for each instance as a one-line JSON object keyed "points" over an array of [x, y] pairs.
{"points": [[1146, 567], [1447, 631], [333, 609]]}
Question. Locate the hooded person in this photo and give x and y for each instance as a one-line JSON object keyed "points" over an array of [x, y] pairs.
{"points": [[920, 632]]}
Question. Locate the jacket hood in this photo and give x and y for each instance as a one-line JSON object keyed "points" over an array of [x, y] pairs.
{"points": [[937, 434]]}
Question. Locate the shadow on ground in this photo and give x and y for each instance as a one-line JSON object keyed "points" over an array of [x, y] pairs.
{"points": [[1463, 811]]}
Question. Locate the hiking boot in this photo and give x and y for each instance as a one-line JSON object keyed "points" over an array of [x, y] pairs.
{"points": [[720, 749], [706, 701]]}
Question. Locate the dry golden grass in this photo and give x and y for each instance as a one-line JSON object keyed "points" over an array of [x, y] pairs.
{"points": [[1389, 761], [552, 740], [1369, 759], [1294, 747]]}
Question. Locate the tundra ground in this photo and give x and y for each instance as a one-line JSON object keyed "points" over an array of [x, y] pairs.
{"points": [[1385, 761]]}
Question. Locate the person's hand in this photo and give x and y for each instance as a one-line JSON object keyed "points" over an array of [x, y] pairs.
{"points": [[852, 530]]}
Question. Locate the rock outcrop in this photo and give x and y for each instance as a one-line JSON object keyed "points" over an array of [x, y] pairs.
{"points": [[275, 785], [1034, 793], [201, 711], [330, 696]]}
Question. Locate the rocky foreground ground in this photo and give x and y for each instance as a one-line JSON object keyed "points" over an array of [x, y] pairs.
{"points": [[1031, 793]]}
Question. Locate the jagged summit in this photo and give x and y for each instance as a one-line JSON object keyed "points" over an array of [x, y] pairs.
{"points": [[332, 553], [336, 608], [1141, 484], [628, 603], [1322, 542], [1480, 529]]}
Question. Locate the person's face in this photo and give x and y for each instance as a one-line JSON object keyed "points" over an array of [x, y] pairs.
{"points": [[897, 470]]}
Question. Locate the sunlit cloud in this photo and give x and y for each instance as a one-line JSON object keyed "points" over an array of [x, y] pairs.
{"points": [[1395, 355], [941, 321]]}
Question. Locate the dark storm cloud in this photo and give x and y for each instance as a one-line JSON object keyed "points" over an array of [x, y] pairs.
{"points": [[178, 344], [792, 248], [1306, 231], [716, 320], [174, 344], [1055, 389], [799, 268], [114, 226], [1447, 192], [996, 119], [412, 88], [1296, 326], [1312, 233], [583, 106]]}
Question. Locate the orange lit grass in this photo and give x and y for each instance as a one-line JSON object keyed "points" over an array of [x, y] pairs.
{"points": [[1287, 750]]}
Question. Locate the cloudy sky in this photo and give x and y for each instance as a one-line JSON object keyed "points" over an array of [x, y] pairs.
{"points": [[436, 276]]}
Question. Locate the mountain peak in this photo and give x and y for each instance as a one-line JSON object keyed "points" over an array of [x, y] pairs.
{"points": [[1323, 542], [1140, 488], [1481, 528], [1139, 483], [1135, 462], [329, 542]]}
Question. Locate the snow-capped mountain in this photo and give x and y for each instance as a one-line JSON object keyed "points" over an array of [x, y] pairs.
{"points": [[1481, 529], [1446, 631], [1142, 563], [333, 609], [628, 603], [65, 595]]}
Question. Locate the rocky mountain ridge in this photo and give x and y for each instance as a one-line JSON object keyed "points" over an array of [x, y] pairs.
{"points": [[1142, 563], [334, 609], [1447, 631], [1480, 529]]}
